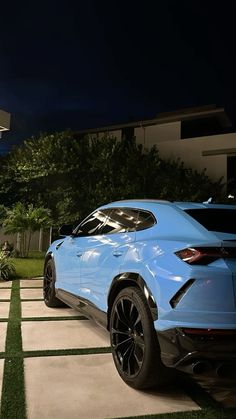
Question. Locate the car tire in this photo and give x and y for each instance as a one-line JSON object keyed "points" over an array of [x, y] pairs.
{"points": [[134, 344], [49, 294]]}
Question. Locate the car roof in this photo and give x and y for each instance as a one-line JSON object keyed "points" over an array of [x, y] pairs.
{"points": [[196, 205], [144, 203]]}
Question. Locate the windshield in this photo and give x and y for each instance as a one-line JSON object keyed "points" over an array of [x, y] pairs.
{"points": [[215, 219]]}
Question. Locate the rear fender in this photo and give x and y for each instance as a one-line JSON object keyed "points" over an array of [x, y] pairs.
{"points": [[128, 279]]}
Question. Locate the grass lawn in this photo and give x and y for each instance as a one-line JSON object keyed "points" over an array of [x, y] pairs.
{"points": [[29, 267]]}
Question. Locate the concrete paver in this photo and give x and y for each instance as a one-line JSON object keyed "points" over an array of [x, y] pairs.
{"points": [[31, 293], [223, 390], [3, 333], [36, 283], [5, 284], [5, 294], [68, 334], [39, 309], [1, 376], [88, 386], [4, 309]]}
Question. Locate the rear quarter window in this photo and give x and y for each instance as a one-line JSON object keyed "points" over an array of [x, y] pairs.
{"points": [[127, 220], [145, 220]]}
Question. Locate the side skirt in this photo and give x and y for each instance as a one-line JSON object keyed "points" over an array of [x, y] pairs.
{"points": [[84, 306]]}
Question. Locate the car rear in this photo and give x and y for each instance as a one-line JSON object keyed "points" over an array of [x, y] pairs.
{"points": [[203, 308]]}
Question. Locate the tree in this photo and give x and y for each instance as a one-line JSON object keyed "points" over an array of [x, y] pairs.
{"points": [[24, 221], [71, 175], [3, 213], [47, 171]]}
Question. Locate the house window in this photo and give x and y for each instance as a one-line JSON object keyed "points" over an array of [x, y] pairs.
{"points": [[201, 127]]}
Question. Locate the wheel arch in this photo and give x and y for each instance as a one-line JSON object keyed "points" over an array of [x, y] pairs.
{"points": [[125, 280], [47, 258]]}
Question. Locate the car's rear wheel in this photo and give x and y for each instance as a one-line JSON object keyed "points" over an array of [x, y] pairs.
{"points": [[49, 293], [134, 343]]}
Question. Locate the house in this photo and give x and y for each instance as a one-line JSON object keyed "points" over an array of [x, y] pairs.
{"points": [[201, 137], [4, 121]]}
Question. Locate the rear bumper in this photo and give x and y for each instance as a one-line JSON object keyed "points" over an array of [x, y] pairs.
{"points": [[181, 350]]}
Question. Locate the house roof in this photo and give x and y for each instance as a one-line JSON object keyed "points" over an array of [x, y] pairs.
{"points": [[168, 117]]}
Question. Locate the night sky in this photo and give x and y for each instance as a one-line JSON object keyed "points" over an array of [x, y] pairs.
{"points": [[74, 64]]}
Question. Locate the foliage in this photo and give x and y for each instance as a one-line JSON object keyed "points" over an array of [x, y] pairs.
{"points": [[3, 212], [7, 248], [25, 220], [73, 175], [7, 268]]}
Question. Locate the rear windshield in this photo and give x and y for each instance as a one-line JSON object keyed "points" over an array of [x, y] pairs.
{"points": [[215, 219]]}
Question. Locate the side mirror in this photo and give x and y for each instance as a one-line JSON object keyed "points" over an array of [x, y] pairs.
{"points": [[66, 230]]}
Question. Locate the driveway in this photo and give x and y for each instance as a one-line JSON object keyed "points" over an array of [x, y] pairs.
{"points": [[67, 365]]}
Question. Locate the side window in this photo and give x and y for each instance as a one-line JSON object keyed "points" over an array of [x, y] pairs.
{"points": [[121, 220], [92, 225], [145, 220]]}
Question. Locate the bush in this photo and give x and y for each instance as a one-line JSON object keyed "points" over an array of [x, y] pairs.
{"points": [[7, 267], [7, 247]]}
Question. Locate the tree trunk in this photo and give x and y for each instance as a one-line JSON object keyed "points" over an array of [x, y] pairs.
{"points": [[41, 240], [18, 242]]}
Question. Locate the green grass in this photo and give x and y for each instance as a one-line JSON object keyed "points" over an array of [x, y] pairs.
{"points": [[29, 267], [13, 388]]}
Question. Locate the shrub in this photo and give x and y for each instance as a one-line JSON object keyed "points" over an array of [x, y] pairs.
{"points": [[7, 267]]}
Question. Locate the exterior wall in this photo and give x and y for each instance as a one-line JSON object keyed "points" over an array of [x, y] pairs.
{"points": [[153, 134], [4, 120], [209, 152], [192, 151], [115, 134]]}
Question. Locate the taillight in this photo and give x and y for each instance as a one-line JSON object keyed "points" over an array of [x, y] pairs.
{"points": [[205, 255], [207, 332]]}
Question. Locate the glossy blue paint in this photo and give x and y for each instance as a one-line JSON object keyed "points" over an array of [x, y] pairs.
{"points": [[87, 265]]}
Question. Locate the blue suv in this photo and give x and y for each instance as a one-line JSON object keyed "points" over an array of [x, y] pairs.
{"points": [[161, 277]]}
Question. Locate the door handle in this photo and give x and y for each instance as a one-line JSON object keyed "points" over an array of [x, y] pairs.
{"points": [[117, 253], [79, 254]]}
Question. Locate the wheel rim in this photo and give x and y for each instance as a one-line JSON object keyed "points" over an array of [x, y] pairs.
{"points": [[48, 282], [127, 338]]}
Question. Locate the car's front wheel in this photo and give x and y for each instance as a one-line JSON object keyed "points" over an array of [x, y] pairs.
{"points": [[49, 294], [134, 343]]}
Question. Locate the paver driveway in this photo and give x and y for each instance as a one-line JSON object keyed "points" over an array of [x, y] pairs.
{"points": [[68, 368]]}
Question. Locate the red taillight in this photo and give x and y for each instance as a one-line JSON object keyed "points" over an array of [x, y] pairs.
{"points": [[205, 255], [207, 332]]}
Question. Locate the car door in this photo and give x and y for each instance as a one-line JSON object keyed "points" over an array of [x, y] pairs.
{"points": [[69, 253], [103, 254]]}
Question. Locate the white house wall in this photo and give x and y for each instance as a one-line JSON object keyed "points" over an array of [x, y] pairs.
{"points": [[4, 120], [167, 138], [191, 151], [111, 134], [150, 135], [116, 134]]}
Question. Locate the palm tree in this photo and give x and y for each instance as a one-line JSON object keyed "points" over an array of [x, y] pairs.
{"points": [[24, 221]]}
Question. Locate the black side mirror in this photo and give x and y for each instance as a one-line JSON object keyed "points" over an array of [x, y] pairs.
{"points": [[66, 230]]}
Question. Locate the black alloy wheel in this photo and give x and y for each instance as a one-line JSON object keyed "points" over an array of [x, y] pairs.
{"points": [[49, 294], [134, 343]]}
